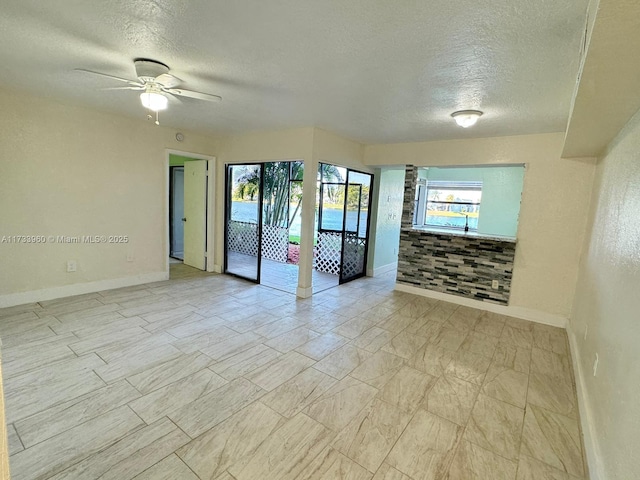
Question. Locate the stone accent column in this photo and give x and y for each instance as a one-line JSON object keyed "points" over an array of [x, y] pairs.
{"points": [[408, 207]]}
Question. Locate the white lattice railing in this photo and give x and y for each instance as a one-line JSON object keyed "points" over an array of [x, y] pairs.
{"points": [[243, 238], [328, 252], [275, 243], [353, 255]]}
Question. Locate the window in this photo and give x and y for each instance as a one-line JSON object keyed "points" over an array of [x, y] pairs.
{"points": [[448, 204], [448, 197]]}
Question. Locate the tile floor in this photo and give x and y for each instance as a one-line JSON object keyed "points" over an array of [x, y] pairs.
{"points": [[281, 276], [208, 377]]}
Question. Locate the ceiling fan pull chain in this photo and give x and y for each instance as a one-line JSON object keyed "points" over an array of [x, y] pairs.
{"points": [[157, 121]]}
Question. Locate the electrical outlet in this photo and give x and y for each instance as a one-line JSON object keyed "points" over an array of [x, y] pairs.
{"points": [[595, 365], [72, 266], [495, 284], [586, 331]]}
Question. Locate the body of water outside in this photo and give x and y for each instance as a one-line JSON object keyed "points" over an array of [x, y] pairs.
{"points": [[449, 221], [331, 218]]}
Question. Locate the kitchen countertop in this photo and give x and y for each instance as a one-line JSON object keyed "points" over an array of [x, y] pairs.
{"points": [[462, 233]]}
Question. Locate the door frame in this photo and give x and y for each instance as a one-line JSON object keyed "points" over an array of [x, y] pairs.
{"points": [[343, 230], [227, 197], [210, 215], [342, 281]]}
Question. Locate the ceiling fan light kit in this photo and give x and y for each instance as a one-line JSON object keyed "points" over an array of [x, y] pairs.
{"points": [[466, 118], [157, 85], [154, 101]]}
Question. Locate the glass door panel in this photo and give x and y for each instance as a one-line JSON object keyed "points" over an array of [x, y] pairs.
{"points": [[330, 222], [355, 237], [243, 220], [331, 211]]}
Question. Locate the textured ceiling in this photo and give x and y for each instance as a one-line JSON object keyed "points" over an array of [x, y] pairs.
{"points": [[376, 71]]}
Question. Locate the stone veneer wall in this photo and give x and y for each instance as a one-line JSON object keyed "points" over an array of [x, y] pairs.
{"points": [[454, 264]]}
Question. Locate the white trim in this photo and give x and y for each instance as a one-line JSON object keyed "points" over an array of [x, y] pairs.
{"points": [[512, 311], [304, 292], [376, 272], [211, 212], [78, 289], [589, 436], [216, 268]]}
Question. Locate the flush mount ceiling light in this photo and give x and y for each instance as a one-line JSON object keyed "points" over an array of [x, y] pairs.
{"points": [[466, 118], [154, 100]]}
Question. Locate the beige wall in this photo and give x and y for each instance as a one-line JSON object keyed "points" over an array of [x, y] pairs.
{"points": [[331, 148], [74, 171], [292, 144], [553, 213], [4, 440], [607, 302]]}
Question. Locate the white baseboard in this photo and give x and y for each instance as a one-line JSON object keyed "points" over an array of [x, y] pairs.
{"points": [[512, 311], [304, 292], [376, 272], [32, 296], [216, 269], [591, 448]]}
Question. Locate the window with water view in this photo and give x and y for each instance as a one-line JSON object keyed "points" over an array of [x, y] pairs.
{"points": [[454, 205]]}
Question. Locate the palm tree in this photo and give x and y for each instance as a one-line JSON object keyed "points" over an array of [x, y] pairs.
{"points": [[275, 200], [295, 193], [276, 189], [247, 183], [331, 174]]}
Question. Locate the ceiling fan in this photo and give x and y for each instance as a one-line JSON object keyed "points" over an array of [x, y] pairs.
{"points": [[156, 84]]}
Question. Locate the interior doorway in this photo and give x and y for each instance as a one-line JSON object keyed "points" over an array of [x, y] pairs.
{"points": [[189, 198]]}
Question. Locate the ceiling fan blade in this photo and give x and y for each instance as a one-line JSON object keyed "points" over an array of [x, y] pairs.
{"points": [[130, 82], [131, 87], [191, 94], [168, 81]]}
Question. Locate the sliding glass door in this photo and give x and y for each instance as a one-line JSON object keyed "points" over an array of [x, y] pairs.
{"points": [[243, 220]]}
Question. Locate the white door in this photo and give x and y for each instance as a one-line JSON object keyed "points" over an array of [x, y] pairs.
{"points": [[195, 213]]}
